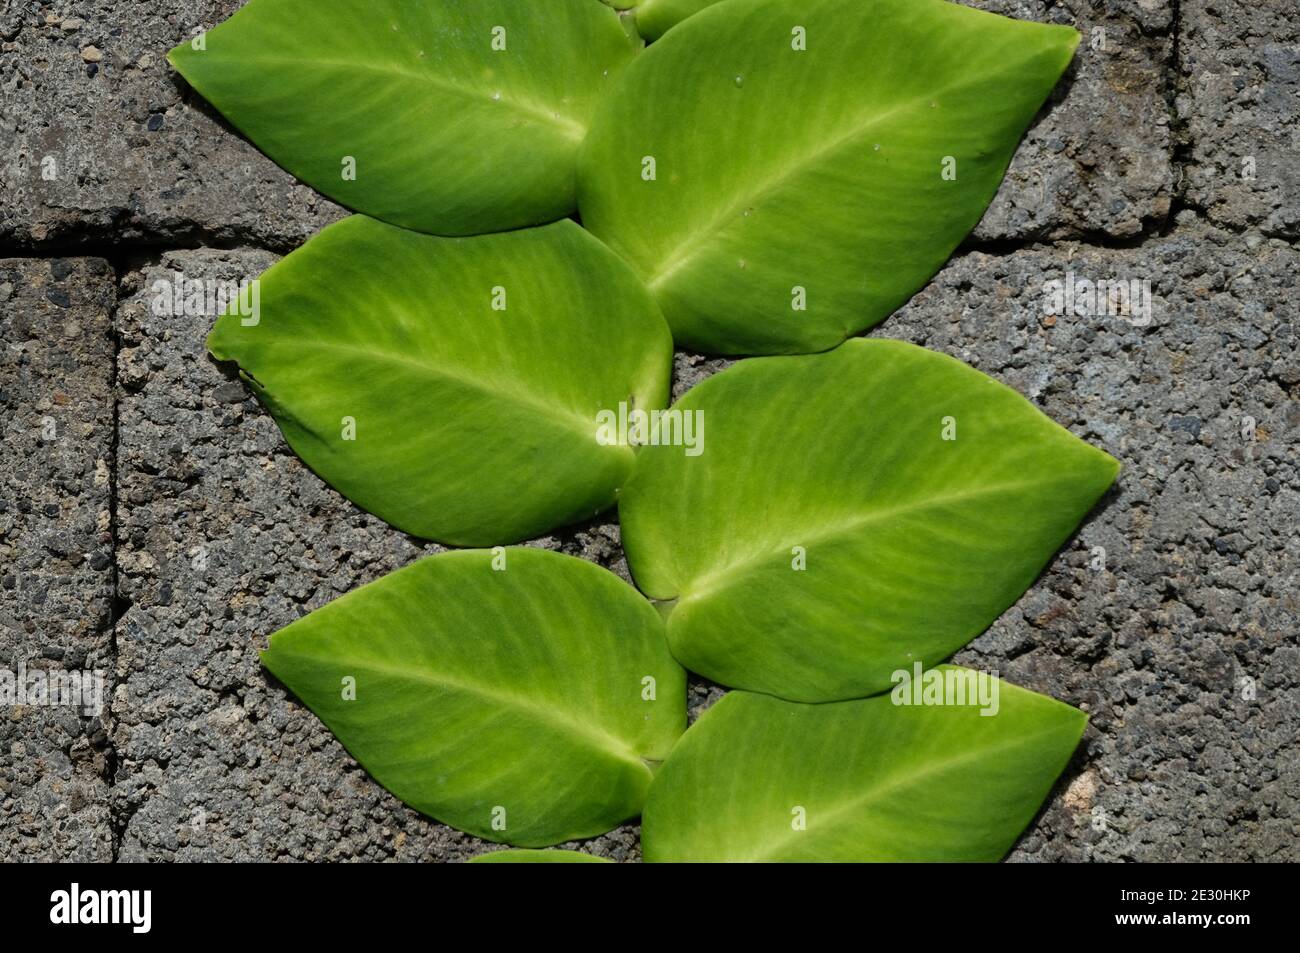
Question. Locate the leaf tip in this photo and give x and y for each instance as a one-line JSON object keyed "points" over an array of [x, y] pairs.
{"points": [[270, 659], [1108, 469], [178, 57], [1069, 39], [1113, 465]]}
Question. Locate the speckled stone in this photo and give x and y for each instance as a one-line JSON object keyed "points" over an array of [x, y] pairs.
{"points": [[56, 552]]}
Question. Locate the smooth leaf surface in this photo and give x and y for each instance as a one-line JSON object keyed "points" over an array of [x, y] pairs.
{"points": [[538, 857], [798, 195], [760, 779], [507, 703], [471, 425], [460, 116], [910, 544]]}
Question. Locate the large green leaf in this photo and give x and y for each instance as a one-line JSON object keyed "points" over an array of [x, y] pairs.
{"points": [[538, 857], [454, 117], [760, 779], [799, 196], [522, 696], [910, 544], [471, 425]]}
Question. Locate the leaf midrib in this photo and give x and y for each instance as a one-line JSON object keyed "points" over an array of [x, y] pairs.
{"points": [[569, 126], [562, 721], [771, 850], [707, 584], [567, 418], [685, 251]]}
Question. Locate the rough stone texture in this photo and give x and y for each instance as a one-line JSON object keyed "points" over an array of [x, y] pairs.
{"points": [[1197, 600], [1097, 162], [121, 149], [56, 564], [1240, 99], [222, 536]]}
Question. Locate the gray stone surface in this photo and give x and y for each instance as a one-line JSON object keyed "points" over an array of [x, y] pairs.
{"points": [[185, 532], [120, 148], [56, 554], [1239, 103], [1097, 161]]}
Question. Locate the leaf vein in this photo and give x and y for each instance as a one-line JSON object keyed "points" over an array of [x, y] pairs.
{"points": [[570, 127], [688, 249], [563, 721]]}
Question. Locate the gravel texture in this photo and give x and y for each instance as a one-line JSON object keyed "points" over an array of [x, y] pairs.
{"points": [[1099, 161], [1239, 106], [120, 149], [166, 530], [56, 549]]}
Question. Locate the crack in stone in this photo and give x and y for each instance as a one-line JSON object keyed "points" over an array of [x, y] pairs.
{"points": [[119, 604]]}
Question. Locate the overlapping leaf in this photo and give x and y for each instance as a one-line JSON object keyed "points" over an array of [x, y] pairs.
{"points": [[452, 386], [655, 17], [519, 696], [760, 779], [851, 513], [456, 117], [785, 173]]}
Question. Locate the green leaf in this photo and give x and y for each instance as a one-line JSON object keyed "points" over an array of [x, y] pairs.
{"points": [[470, 425], [409, 110], [760, 779], [508, 702], [655, 17], [799, 195], [538, 857], [830, 535]]}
